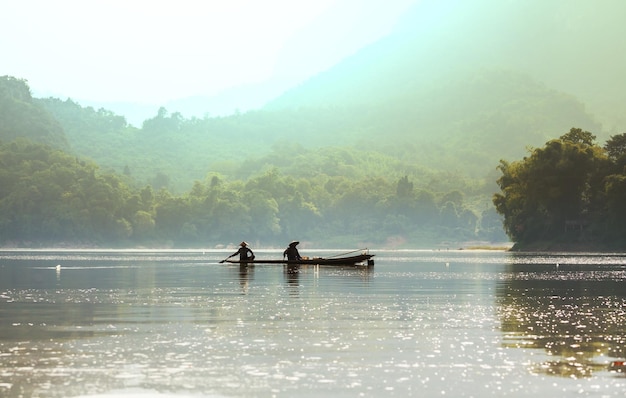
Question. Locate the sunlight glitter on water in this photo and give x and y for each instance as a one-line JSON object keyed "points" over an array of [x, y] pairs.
{"points": [[141, 393], [453, 325]]}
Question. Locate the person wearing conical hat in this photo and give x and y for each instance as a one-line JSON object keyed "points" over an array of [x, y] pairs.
{"points": [[291, 252], [245, 253]]}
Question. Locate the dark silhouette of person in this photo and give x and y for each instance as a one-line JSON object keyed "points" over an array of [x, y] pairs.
{"points": [[245, 253], [291, 252]]}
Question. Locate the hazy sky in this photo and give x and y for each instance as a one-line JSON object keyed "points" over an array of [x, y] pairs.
{"points": [[154, 51]]}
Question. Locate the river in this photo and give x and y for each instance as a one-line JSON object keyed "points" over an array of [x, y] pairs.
{"points": [[418, 323]]}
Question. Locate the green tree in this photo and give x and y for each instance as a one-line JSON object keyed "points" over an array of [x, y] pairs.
{"points": [[616, 206], [143, 224], [404, 188], [616, 146], [20, 117], [556, 186], [171, 214], [580, 137]]}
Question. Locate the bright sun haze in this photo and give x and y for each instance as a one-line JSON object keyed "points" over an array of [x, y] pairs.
{"points": [[155, 51]]}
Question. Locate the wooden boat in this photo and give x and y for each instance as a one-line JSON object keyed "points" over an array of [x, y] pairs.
{"points": [[364, 259]]}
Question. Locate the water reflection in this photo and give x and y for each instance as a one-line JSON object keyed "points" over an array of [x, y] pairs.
{"points": [[575, 313], [416, 324], [291, 273], [246, 274]]}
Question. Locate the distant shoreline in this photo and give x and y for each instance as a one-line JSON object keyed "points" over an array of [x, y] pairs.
{"points": [[553, 247], [487, 248]]}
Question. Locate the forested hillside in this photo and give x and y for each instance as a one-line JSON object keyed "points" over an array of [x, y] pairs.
{"points": [[50, 198], [328, 196], [21, 117]]}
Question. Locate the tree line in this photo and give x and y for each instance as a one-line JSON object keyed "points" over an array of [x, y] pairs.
{"points": [[569, 194], [52, 198]]}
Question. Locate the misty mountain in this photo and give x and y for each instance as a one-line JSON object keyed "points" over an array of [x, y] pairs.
{"points": [[441, 133], [465, 123], [569, 46], [572, 47], [456, 87], [228, 102], [225, 103]]}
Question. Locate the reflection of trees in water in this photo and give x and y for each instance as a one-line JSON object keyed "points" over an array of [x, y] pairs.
{"points": [[574, 320]]}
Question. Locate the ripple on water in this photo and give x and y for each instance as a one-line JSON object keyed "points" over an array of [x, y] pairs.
{"points": [[461, 324]]}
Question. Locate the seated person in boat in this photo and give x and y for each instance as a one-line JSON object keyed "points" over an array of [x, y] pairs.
{"points": [[245, 253], [292, 252]]}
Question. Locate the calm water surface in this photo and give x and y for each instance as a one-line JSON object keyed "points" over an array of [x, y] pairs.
{"points": [[418, 323]]}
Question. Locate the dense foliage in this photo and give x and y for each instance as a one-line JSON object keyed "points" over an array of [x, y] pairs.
{"points": [[49, 197], [21, 117], [569, 194]]}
